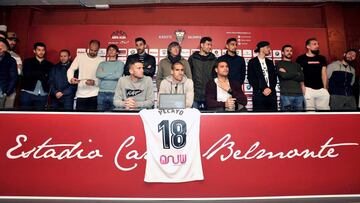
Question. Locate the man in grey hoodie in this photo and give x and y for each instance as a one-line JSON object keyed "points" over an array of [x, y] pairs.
{"points": [[134, 91], [178, 83]]}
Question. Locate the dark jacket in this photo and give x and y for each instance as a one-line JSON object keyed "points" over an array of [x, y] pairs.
{"points": [[8, 74], [236, 92], [58, 80], [201, 70], [256, 77], [237, 67], [149, 64], [33, 71]]}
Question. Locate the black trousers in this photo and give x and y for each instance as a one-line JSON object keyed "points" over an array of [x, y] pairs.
{"points": [[262, 103], [86, 104]]}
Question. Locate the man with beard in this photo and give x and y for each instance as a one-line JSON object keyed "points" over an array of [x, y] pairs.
{"points": [[88, 84], [134, 91], [341, 76], [291, 77], [35, 83], [202, 63], [315, 77], [145, 58], [236, 63], [62, 93], [262, 78]]}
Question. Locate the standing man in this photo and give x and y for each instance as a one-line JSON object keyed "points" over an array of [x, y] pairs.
{"points": [[8, 73], [134, 91], [173, 56], [315, 77], [87, 82], [108, 73], [341, 76], [178, 83], [262, 78], [201, 64], [237, 67], [145, 58], [35, 83], [62, 93], [291, 78], [13, 40]]}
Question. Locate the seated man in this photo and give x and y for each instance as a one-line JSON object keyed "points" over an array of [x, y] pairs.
{"points": [[134, 91], [178, 83], [222, 94]]}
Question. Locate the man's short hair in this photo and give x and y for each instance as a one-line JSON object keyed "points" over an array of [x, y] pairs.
{"points": [[133, 61], [220, 61], [94, 41], [65, 50], [138, 39], [308, 41], [204, 39], [352, 49], [285, 46], [39, 44], [230, 40], [176, 63]]}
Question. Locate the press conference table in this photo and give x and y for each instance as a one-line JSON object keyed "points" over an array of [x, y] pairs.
{"points": [[246, 157]]}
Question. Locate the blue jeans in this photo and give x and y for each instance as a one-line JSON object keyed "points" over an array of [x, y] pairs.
{"points": [[105, 101], [32, 102], [292, 103], [64, 103]]}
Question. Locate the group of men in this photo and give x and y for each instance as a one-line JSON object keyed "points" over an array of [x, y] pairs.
{"points": [[206, 81]]}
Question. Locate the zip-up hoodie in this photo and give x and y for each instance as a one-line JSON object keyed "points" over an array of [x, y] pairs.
{"points": [[141, 90], [185, 86]]}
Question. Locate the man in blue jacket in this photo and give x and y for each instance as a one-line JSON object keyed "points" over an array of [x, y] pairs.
{"points": [[8, 72], [61, 91]]}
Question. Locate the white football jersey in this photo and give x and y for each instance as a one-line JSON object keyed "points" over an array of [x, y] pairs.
{"points": [[173, 145]]}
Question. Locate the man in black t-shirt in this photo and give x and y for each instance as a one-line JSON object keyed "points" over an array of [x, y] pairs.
{"points": [[315, 77]]}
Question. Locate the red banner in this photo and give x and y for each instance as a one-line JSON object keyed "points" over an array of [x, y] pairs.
{"points": [[243, 155]]}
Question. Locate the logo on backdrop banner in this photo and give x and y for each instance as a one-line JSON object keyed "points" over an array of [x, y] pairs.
{"points": [[180, 35]]}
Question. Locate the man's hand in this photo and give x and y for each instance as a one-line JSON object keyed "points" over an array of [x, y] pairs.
{"points": [[74, 81], [267, 91], [130, 103], [230, 103], [58, 95], [282, 70], [90, 82]]}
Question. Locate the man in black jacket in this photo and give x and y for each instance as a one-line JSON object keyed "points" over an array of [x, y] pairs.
{"points": [[8, 72], [148, 60], [35, 84], [262, 77], [202, 64]]}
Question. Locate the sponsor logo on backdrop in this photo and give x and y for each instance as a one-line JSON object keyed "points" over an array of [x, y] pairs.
{"points": [[165, 36], [132, 51], [119, 34], [277, 53], [247, 53], [180, 35], [216, 52], [194, 50], [185, 52], [122, 52], [154, 52], [238, 52], [163, 52]]}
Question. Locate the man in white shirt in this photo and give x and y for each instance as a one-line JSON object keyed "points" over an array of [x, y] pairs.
{"points": [[87, 82]]}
